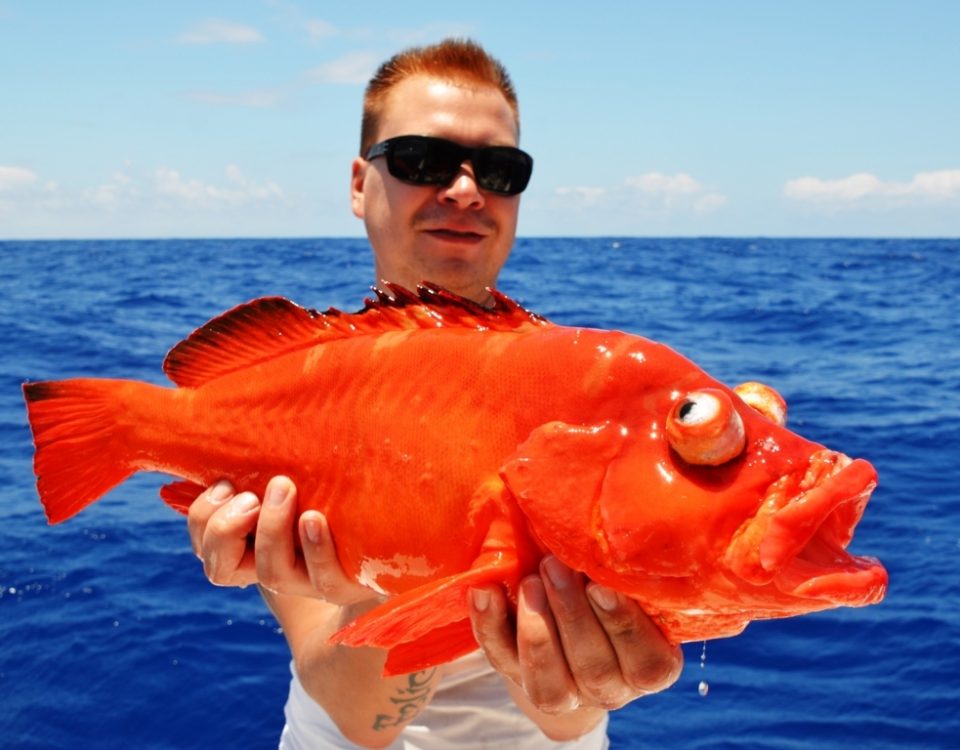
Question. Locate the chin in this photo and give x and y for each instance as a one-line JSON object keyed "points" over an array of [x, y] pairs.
{"points": [[470, 285]]}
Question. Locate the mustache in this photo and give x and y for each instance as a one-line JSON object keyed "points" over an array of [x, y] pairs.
{"points": [[455, 220]]}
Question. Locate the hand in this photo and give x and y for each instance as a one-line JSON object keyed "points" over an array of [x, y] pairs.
{"points": [[222, 522], [576, 643]]}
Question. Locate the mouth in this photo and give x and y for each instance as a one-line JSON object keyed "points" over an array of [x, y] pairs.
{"points": [[452, 234], [798, 539]]}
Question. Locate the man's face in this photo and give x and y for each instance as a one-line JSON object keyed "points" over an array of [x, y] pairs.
{"points": [[455, 235]]}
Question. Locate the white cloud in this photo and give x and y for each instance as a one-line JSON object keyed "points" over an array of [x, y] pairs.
{"points": [[138, 201], [586, 195], [651, 196], [656, 191], [165, 188], [219, 31], [652, 192], [664, 185], [168, 183], [14, 178], [352, 68], [709, 203], [864, 187]]}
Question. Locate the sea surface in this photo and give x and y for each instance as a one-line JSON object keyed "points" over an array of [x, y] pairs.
{"points": [[111, 637]]}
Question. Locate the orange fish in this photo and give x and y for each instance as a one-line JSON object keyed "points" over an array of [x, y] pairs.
{"points": [[451, 445]]}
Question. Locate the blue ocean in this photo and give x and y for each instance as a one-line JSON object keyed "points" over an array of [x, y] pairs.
{"points": [[111, 636]]}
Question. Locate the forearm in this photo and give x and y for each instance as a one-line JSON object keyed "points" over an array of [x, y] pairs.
{"points": [[369, 710]]}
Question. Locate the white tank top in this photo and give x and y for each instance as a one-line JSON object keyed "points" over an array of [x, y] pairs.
{"points": [[471, 709]]}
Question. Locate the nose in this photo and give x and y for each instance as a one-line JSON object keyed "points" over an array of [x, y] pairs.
{"points": [[463, 191]]}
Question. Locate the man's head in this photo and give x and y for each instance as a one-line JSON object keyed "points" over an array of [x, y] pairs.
{"points": [[456, 234], [455, 61]]}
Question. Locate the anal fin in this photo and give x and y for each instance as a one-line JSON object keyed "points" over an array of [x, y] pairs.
{"points": [[180, 495], [439, 646]]}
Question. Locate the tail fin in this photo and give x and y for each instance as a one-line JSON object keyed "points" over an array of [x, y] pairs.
{"points": [[79, 453]]}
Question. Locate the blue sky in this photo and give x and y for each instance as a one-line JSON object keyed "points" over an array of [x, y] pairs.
{"points": [[173, 119]]}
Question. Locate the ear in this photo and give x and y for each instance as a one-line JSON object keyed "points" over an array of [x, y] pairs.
{"points": [[358, 174]]}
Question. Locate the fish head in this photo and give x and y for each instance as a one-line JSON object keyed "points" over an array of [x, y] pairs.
{"points": [[698, 501]]}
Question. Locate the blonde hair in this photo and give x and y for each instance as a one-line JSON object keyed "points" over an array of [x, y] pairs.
{"points": [[452, 59]]}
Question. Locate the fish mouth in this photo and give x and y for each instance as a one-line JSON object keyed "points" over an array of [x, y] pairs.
{"points": [[798, 539]]}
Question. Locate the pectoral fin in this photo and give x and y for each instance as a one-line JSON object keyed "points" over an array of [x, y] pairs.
{"points": [[430, 624]]}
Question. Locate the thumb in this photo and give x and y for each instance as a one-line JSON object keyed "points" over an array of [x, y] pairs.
{"points": [[328, 578]]}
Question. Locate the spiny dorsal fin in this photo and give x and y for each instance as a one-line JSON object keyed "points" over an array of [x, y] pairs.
{"points": [[268, 327]]}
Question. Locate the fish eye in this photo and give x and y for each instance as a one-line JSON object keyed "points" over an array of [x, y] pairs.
{"points": [[705, 428], [697, 408], [765, 400]]}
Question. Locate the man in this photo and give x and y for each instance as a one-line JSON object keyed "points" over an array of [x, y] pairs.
{"points": [[435, 212]]}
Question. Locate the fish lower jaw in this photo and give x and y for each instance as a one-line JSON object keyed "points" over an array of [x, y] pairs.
{"points": [[797, 541], [859, 582], [806, 542], [824, 570]]}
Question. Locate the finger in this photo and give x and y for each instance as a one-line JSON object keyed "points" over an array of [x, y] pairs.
{"points": [[592, 660], [327, 577], [227, 558], [203, 508], [648, 662], [543, 666], [278, 565], [494, 630]]}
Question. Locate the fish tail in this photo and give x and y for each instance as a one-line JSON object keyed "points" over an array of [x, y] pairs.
{"points": [[80, 450]]}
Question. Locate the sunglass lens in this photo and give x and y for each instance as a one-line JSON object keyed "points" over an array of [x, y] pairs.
{"points": [[504, 171], [422, 161]]}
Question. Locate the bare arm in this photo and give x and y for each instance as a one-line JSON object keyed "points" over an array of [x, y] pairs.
{"points": [[316, 600], [369, 710]]}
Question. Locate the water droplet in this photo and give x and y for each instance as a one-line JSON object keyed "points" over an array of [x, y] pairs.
{"points": [[704, 687]]}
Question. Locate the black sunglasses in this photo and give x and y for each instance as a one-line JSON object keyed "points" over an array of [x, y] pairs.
{"points": [[424, 160]]}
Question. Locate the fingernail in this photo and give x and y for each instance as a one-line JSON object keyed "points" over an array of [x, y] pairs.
{"points": [[312, 528], [212, 566], [277, 493], [603, 597], [481, 599], [558, 573], [533, 596], [242, 503], [219, 492]]}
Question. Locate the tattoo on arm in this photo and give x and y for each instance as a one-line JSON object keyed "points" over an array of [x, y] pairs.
{"points": [[409, 700]]}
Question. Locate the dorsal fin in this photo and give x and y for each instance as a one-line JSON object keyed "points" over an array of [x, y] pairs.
{"points": [[268, 327]]}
